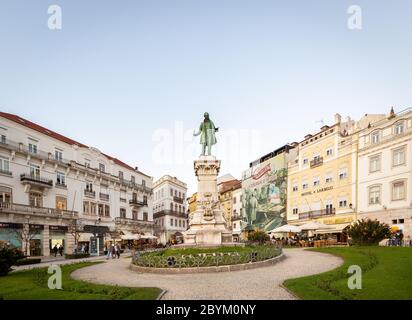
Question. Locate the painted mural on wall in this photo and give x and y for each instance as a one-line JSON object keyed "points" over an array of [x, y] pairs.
{"points": [[264, 195]]}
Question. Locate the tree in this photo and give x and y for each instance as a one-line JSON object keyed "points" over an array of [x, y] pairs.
{"points": [[8, 257], [258, 236], [25, 235], [76, 228], [368, 232]]}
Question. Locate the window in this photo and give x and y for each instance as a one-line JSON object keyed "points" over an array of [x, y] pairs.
{"points": [[120, 175], [305, 186], [399, 128], [3, 139], [144, 183], [180, 223], [171, 222], [101, 210], [234, 200], [375, 137], [133, 179], [316, 181], [101, 167], [305, 161], [107, 210], [135, 215], [87, 164], [61, 203], [86, 207], [184, 224], [329, 208], [32, 148], [58, 155], [343, 174], [329, 152], [5, 194], [375, 195], [171, 207], [171, 192], [35, 199], [316, 158], [374, 163], [92, 208], [398, 190], [122, 213], [295, 188], [295, 210], [61, 179], [343, 203], [89, 186], [34, 171], [144, 199], [328, 179], [398, 157], [401, 221], [4, 165]]}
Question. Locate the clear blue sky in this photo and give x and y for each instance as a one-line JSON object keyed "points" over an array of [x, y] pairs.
{"points": [[120, 71]]}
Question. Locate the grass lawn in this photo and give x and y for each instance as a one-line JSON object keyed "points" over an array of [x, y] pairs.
{"points": [[386, 274], [32, 285]]}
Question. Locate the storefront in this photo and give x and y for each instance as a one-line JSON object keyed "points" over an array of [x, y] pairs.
{"points": [[10, 234], [35, 238], [57, 236]]}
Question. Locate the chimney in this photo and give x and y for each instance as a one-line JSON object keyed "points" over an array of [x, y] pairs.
{"points": [[338, 118]]}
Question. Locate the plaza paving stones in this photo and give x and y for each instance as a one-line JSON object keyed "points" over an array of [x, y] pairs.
{"points": [[262, 283]]}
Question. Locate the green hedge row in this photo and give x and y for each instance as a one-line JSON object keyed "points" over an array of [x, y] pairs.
{"points": [[27, 261], [77, 256]]}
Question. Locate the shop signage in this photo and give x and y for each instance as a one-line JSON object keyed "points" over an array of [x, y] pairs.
{"points": [[58, 228], [11, 225], [316, 191], [36, 227], [96, 229]]}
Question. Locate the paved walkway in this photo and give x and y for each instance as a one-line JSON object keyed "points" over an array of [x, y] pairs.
{"points": [[262, 283]]}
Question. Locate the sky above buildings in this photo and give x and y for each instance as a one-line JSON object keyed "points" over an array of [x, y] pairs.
{"points": [[133, 78]]}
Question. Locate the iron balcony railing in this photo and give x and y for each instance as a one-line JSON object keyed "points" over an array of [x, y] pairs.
{"points": [[316, 162], [104, 196], [6, 172], [178, 199], [138, 203], [121, 220], [26, 209], [40, 154], [35, 179], [170, 213], [90, 194], [317, 213]]}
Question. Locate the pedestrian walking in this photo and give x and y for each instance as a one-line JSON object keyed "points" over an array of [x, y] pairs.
{"points": [[117, 248], [55, 250], [61, 250]]}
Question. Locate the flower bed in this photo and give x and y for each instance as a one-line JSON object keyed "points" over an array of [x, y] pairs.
{"points": [[190, 258]]}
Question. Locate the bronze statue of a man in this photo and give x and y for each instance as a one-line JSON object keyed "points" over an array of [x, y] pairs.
{"points": [[207, 131]]}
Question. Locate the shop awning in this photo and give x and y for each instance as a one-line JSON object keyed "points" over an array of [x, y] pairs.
{"points": [[130, 236], [333, 228], [148, 236]]}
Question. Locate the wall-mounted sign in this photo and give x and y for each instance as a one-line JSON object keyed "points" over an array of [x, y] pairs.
{"points": [[11, 225], [58, 228]]}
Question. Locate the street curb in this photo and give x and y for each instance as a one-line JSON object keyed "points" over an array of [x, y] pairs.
{"points": [[161, 294], [227, 268]]}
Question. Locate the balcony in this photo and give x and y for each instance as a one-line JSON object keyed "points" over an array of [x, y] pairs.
{"points": [[5, 173], [129, 221], [104, 196], [35, 180], [316, 162], [137, 203], [178, 200], [134, 185], [89, 194], [38, 211], [317, 214], [170, 213]]}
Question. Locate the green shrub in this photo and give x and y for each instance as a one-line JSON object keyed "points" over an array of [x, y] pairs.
{"points": [[368, 232], [8, 258], [258, 236], [77, 256], [27, 261]]}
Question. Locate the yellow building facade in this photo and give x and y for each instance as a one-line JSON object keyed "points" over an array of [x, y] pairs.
{"points": [[191, 204], [226, 190], [322, 179]]}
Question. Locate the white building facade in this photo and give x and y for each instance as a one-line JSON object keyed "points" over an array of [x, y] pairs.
{"points": [[385, 171], [170, 209], [237, 214], [63, 192]]}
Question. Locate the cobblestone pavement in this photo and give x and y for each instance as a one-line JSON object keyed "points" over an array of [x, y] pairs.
{"points": [[261, 283]]}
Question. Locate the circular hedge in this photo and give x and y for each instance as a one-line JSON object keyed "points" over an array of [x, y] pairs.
{"points": [[198, 257]]}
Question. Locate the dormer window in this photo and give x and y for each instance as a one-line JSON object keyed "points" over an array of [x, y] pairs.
{"points": [[375, 137], [399, 128], [101, 167]]}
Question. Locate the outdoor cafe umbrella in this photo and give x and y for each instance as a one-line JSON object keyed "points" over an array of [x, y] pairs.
{"points": [[313, 225], [286, 229]]}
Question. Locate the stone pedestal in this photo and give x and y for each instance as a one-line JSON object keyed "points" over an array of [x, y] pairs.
{"points": [[207, 226]]}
